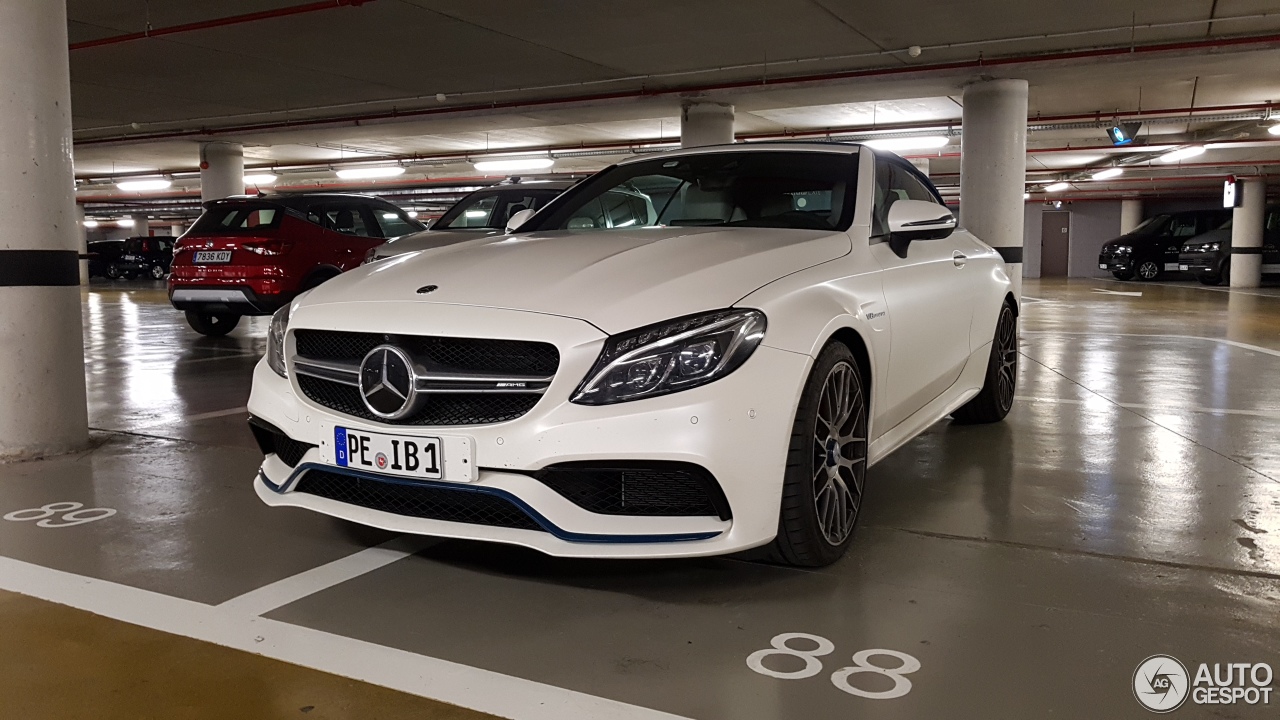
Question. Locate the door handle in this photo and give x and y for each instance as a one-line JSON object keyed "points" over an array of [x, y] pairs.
{"points": [[958, 258]]}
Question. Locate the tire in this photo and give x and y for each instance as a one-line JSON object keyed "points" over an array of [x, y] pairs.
{"points": [[1148, 270], [826, 471], [113, 271], [1123, 274], [158, 272], [211, 324], [1209, 279], [995, 400]]}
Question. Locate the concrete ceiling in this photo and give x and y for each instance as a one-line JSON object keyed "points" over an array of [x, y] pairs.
{"points": [[436, 80]]}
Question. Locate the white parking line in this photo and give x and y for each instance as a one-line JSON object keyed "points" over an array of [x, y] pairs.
{"points": [[242, 410], [469, 687], [1151, 408], [282, 592], [1232, 343]]}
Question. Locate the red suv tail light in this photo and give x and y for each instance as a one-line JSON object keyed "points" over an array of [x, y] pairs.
{"points": [[268, 247]]}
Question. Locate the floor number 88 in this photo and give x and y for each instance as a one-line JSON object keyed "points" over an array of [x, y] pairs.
{"points": [[784, 645]]}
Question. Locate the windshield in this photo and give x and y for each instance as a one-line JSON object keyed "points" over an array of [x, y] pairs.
{"points": [[490, 210], [1152, 225], [774, 189]]}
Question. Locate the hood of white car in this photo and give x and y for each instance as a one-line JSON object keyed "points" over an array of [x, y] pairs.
{"points": [[615, 280]]}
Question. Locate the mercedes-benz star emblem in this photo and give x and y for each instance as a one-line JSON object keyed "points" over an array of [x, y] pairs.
{"points": [[387, 382]]}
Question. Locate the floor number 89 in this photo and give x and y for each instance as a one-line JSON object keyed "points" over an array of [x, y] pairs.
{"points": [[840, 678], [70, 515]]}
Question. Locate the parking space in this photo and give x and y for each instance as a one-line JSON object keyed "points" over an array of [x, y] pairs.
{"points": [[1119, 512]]}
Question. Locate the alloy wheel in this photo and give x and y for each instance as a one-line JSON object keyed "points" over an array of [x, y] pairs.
{"points": [[839, 453], [157, 272], [1148, 270], [1007, 347]]}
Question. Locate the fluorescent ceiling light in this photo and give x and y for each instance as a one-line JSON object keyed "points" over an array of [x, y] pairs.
{"points": [[143, 185], [259, 179], [477, 213], [1108, 173], [125, 222], [370, 172], [91, 223], [1057, 187], [1274, 129], [1182, 153], [899, 144], [413, 213], [1026, 196], [389, 216], [534, 163]]}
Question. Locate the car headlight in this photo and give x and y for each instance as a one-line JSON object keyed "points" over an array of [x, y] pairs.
{"points": [[1211, 247], [1124, 250], [671, 356], [275, 341]]}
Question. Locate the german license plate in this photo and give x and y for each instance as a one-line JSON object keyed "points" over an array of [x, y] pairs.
{"points": [[203, 257], [1102, 266], [403, 455], [1184, 268]]}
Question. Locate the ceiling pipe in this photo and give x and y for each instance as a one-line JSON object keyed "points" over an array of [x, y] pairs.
{"points": [[982, 63], [151, 32]]}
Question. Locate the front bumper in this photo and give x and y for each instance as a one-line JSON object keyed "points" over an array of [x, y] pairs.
{"points": [[1199, 263], [736, 428]]}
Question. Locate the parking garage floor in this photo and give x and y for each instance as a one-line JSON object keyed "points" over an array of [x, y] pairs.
{"points": [[1129, 506]]}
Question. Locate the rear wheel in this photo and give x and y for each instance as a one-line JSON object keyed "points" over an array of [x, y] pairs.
{"points": [[826, 464], [113, 271], [157, 272], [1122, 274], [1148, 270], [996, 398], [212, 324]]}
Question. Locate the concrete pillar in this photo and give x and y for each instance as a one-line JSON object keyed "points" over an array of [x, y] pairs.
{"points": [[221, 170], [1130, 215], [82, 235], [177, 229], [41, 347], [993, 168], [1246, 234], [705, 123], [141, 225]]}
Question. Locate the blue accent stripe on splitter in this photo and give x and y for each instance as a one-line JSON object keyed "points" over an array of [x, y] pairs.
{"points": [[537, 517]]}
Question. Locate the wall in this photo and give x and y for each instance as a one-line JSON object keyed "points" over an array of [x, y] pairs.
{"points": [[1031, 239]]}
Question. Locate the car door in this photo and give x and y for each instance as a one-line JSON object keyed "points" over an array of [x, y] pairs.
{"points": [[353, 231], [929, 294], [1182, 227]]}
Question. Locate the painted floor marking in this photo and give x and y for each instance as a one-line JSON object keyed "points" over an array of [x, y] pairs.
{"points": [[469, 687], [1273, 415], [1232, 343], [294, 588], [242, 410], [1117, 292]]}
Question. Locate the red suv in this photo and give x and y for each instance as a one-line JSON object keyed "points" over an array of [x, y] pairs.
{"points": [[251, 255]]}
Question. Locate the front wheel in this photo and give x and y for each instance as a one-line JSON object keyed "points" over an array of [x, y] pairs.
{"points": [[212, 324], [1211, 280], [1122, 274], [826, 464], [996, 397], [1148, 270], [157, 272]]}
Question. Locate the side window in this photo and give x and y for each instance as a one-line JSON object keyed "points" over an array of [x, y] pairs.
{"points": [[1183, 226], [349, 219], [394, 223]]}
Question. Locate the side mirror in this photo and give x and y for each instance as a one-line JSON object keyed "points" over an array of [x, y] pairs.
{"points": [[520, 218], [911, 220]]}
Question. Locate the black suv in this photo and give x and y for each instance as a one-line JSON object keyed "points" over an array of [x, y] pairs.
{"points": [[1209, 256], [103, 255], [1152, 248], [149, 256]]}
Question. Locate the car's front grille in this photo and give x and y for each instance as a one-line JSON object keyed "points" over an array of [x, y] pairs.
{"points": [[432, 502], [649, 489], [512, 375], [440, 409]]}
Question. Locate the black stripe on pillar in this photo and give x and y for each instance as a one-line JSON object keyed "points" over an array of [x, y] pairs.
{"points": [[1010, 254], [1245, 250], [30, 268]]}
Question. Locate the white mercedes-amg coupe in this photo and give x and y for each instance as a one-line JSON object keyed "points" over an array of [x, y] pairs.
{"points": [[692, 353]]}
